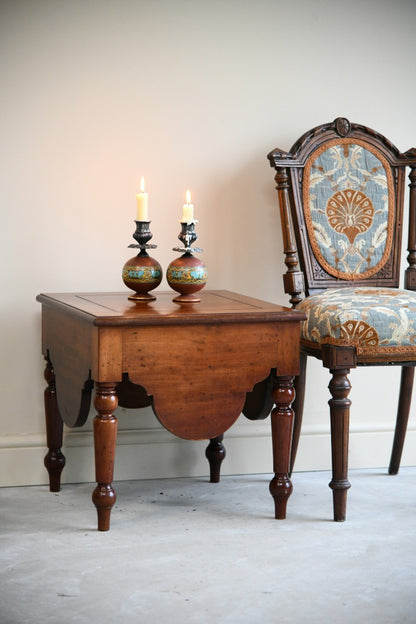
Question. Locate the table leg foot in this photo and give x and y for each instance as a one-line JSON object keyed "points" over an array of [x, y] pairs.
{"points": [[215, 453], [105, 436], [104, 498], [54, 459], [280, 488], [282, 418]]}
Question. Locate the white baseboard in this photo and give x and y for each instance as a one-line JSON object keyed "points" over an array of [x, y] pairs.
{"points": [[154, 453]]}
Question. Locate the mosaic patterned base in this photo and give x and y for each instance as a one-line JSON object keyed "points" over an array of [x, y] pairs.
{"points": [[142, 274], [187, 275]]}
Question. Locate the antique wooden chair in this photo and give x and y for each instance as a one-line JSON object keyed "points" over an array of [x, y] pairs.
{"points": [[341, 193]]}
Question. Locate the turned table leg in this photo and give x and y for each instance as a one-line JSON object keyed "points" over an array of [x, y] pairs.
{"points": [[282, 418], [105, 435], [215, 453], [54, 459]]}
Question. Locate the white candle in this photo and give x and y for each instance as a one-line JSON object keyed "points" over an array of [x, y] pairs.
{"points": [[142, 207], [188, 210]]}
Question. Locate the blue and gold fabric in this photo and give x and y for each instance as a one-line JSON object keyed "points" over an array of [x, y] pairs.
{"points": [[348, 200], [374, 320]]}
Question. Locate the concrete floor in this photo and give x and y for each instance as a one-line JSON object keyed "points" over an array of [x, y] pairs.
{"points": [[185, 550]]}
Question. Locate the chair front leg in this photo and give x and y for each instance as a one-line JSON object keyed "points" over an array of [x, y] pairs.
{"points": [[339, 387]]}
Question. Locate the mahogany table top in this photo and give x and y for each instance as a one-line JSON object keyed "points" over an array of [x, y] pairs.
{"points": [[114, 308]]}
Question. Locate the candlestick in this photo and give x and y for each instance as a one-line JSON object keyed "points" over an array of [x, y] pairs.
{"points": [[142, 273], [186, 274], [142, 203]]}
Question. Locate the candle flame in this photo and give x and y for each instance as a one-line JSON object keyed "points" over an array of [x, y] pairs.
{"points": [[142, 184], [188, 197]]}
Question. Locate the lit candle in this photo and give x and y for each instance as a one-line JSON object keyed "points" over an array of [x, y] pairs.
{"points": [[188, 210], [141, 198]]}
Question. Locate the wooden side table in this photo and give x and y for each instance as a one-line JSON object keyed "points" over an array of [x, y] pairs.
{"points": [[194, 363]]}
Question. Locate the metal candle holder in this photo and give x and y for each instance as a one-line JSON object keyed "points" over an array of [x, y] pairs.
{"points": [[186, 274], [142, 273]]}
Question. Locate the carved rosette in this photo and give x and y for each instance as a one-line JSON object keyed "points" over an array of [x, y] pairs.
{"points": [[342, 126]]}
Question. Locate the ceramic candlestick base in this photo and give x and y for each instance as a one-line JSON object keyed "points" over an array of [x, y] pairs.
{"points": [[142, 273], [187, 275]]}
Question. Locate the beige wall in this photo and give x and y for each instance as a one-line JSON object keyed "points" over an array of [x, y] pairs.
{"points": [[188, 93]]}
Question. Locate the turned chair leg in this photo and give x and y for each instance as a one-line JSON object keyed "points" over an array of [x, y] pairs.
{"points": [[54, 459], [403, 409], [105, 436], [298, 403], [340, 387], [215, 454]]}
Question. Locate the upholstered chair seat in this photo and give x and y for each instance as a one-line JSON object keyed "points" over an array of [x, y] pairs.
{"points": [[379, 322]]}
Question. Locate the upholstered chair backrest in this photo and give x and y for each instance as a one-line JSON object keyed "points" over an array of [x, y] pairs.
{"points": [[341, 190], [348, 201]]}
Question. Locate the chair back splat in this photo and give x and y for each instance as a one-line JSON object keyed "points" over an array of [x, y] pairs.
{"points": [[341, 195]]}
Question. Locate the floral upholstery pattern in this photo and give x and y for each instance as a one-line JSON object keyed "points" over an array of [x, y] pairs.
{"points": [[374, 320], [348, 201]]}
